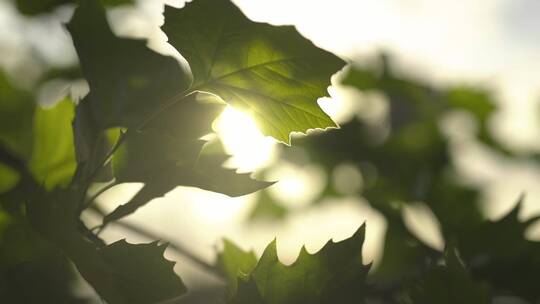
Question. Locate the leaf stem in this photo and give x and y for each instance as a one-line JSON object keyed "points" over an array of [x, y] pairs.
{"points": [[90, 200]]}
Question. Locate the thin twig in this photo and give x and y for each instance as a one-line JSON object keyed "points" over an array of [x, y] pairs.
{"points": [[178, 248], [93, 198]]}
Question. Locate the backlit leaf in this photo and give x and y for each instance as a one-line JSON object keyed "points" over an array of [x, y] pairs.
{"points": [[235, 263], [53, 154], [335, 274], [271, 72], [166, 154]]}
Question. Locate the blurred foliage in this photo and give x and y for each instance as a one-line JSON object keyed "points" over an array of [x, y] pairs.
{"points": [[33, 7], [406, 160], [143, 121]]}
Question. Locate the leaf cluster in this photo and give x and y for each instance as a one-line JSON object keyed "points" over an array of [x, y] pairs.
{"points": [[145, 120]]}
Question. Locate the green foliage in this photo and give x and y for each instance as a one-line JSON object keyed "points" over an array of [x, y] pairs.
{"points": [[50, 157], [16, 118], [116, 271], [271, 72], [53, 156], [142, 272], [171, 140], [450, 283], [124, 90], [144, 120], [411, 163], [235, 264], [335, 274]]}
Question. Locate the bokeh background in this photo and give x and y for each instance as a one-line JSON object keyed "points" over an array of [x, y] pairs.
{"points": [[489, 44]]}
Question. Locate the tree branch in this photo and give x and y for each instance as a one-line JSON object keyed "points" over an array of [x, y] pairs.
{"points": [[178, 248]]}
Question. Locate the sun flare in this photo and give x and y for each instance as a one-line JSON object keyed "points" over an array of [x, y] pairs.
{"points": [[249, 148]]}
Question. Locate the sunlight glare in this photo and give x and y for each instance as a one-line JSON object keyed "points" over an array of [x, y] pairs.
{"points": [[297, 186], [249, 148]]}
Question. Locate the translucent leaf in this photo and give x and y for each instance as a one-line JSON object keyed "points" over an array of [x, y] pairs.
{"points": [[335, 274], [53, 155], [271, 72]]}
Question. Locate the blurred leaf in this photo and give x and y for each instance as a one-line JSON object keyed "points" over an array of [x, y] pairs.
{"points": [[128, 81], [267, 208], [404, 256], [16, 117], [33, 7], [272, 72], [480, 104], [235, 263], [475, 101], [335, 274], [8, 178], [450, 284], [414, 100], [497, 251], [53, 156]]}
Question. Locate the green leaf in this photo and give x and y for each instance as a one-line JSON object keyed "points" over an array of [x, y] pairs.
{"points": [[53, 155], [335, 274], [128, 81], [32, 270], [166, 153], [16, 116], [8, 178], [235, 263], [267, 208], [33, 7], [207, 174], [143, 274], [450, 284], [271, 72], [170, 139], [121, 273], [91, 145], [505, 255]]}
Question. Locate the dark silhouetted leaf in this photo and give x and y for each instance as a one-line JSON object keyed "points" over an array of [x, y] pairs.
{"points": [[450, 284], [120, 272], [128, 81], [335, 274], [142, 273], [91, 145], [497, 250], [16, 118], [165, 154]]}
